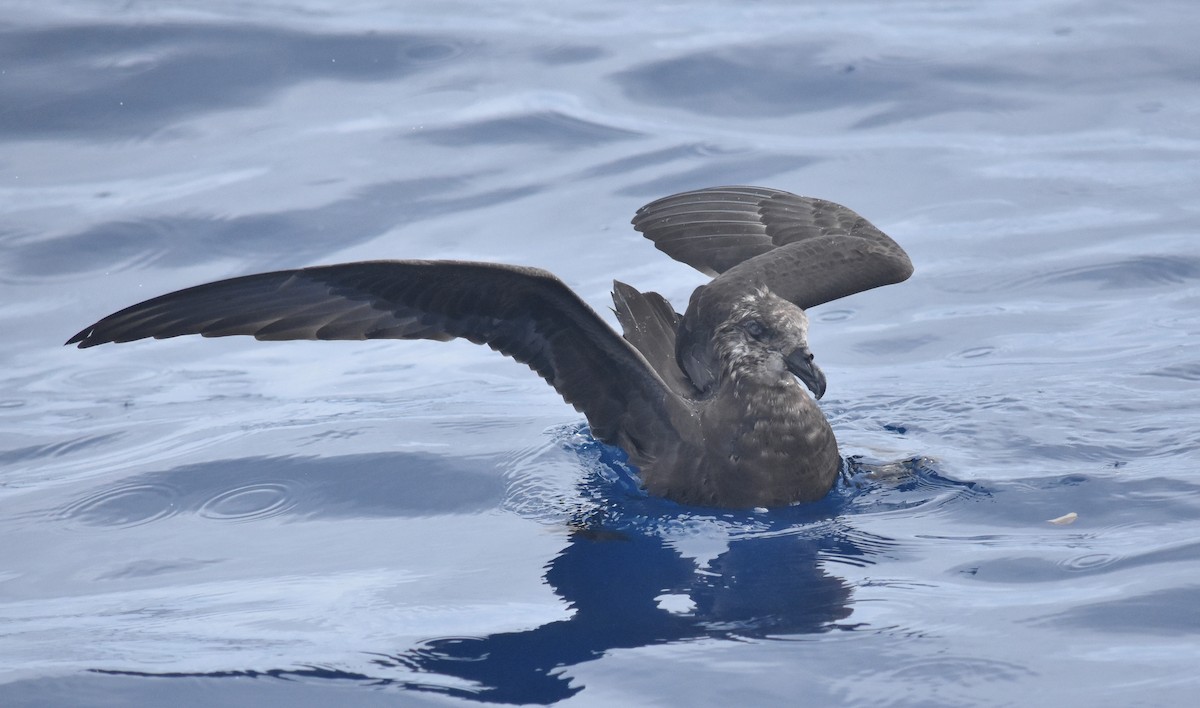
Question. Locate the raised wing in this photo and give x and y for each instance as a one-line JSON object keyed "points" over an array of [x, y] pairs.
{"points": [[807, 250], [525, 313], [650, 324]]}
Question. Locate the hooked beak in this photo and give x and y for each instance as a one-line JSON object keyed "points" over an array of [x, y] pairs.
{"points": [[801, 364]]}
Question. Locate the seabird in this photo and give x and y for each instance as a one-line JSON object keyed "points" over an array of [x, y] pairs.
{"points": [[708, 405]]}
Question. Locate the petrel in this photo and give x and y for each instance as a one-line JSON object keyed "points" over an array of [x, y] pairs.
{"points": [[711, 406]]}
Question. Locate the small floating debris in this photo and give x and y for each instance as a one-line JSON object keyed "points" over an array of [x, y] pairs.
{"points": [[1064, 519]]}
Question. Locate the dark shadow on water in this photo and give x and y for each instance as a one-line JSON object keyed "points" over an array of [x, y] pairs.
{"points": [[1174, 612], [751, 169], [309, 233], [135, 79], [248, 489], [787, 79]]}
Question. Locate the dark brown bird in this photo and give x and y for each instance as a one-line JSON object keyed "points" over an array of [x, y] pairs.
{"points": [[706, 404]]}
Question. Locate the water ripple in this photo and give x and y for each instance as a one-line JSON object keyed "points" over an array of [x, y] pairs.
{"points": [[975, 353], [250, 502], [1124, 273], [961, 670], [1187, 372], [551, 128], [123, 506], [836, 315], [90, 378], [57, 449], [1088, 562]]}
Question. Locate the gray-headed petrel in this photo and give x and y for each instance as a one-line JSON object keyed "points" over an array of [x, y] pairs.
{"points": [[706, 404]]}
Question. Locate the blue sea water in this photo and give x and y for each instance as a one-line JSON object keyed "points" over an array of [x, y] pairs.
{"points": [[223, 522]]}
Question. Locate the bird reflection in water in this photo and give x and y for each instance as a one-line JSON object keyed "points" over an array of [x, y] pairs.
{"points": [[614, 583]]}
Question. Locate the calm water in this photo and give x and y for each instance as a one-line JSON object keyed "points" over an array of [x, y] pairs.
{"points": [[223, 522]]}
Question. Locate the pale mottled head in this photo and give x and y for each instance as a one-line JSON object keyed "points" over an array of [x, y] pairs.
{"points": [[764, 334]]}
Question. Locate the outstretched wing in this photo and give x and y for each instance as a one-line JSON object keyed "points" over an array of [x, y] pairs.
{"points": [[525, 313], [809, 251]]}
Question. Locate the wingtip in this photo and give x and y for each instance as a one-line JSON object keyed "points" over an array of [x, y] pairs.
{"points": [[618, 286], [82, 339], [905, 267], [620, 297]]}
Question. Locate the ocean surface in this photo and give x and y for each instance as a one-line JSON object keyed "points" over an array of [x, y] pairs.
{"points": [[227, 522]]}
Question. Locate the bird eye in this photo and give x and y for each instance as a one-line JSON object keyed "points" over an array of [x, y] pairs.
{"points": [[754, 328]]}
